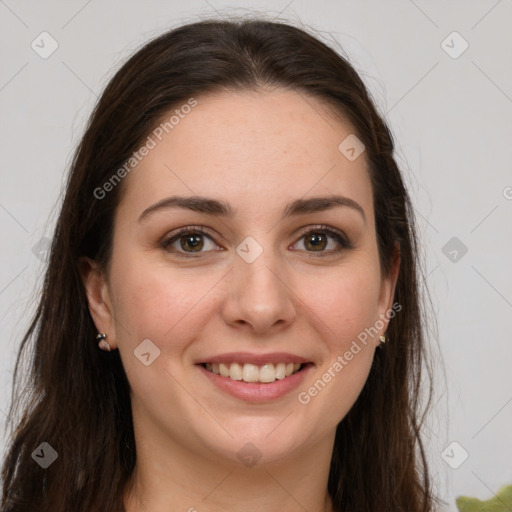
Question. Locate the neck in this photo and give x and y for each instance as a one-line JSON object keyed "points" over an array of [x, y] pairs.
{"points": [[167, 477]]}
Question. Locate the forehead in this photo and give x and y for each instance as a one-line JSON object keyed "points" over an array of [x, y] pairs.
{"points": [[247, 148]]}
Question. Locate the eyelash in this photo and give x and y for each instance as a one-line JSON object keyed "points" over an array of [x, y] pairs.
{"points": [[338, 236]]}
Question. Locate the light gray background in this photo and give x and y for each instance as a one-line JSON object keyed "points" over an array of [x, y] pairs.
{"points": [[453, 125]]}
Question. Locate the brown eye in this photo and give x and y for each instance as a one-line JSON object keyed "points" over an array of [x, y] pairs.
{"points": [[316, 242], [323, 241], [191, 242]]}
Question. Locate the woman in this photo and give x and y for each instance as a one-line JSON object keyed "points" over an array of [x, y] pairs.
{"points": [[231, 311]]}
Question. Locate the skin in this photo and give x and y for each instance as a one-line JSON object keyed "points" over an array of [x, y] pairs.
{"points": [[258, 151]]}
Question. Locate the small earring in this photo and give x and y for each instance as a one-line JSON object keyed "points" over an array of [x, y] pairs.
{"points": [[382, 340], [103, 345]]}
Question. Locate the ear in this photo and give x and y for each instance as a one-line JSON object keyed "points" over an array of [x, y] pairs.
{"points": [[387, 289], [98, 298]]}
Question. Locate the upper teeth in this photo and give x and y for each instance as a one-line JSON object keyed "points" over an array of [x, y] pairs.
{"points": [[253, 373]]}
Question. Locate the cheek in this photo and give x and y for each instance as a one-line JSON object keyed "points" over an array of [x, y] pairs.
{"points": [[348, 308], [154, 303], [170, 309], [347, 303]]}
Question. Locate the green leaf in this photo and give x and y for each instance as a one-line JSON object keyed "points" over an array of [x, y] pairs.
{"points": [[502, 502]]}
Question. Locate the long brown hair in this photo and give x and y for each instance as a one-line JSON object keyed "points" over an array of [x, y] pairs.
{"points": [[76, 397]]}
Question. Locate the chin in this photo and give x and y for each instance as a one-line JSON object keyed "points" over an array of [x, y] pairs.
{"points": [[258, 440]]}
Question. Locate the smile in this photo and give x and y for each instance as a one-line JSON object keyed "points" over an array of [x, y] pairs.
{"points": [[254, 377], [247, 372]]}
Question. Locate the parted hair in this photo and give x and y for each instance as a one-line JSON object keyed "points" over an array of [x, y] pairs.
{"points": [[76, 397]]}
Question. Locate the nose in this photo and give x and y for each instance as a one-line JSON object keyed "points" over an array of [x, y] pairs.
{"points": [[259, 297]]}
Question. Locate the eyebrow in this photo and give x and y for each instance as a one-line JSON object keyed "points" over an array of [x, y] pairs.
{"points": [[220, 208]]}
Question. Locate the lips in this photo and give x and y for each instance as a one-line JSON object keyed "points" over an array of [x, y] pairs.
{"points": [[255, 377]]}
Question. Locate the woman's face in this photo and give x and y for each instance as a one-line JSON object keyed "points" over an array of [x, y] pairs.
{"points": [[280, 266]]}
